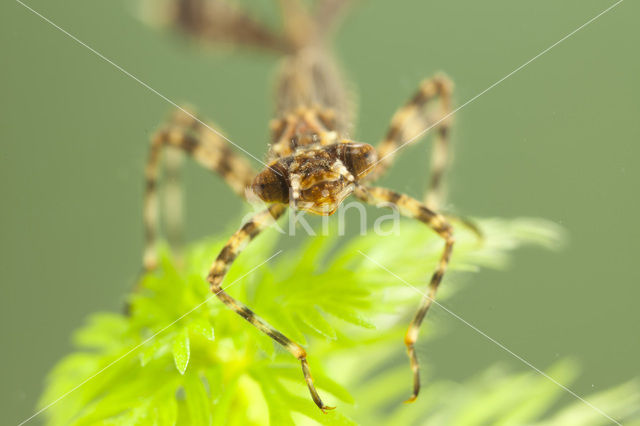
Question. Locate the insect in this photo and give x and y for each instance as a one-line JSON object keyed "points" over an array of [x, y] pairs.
{"points": [[312, 165]]}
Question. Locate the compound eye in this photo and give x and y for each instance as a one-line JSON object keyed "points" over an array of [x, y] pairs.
{"points": [[270, 187], [359, 159]]}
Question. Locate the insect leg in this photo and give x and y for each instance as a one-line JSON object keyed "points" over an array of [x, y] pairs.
{"points": [[409, 121], [186, 134], [411, 207], [219, 269], [219, 22], [468, 224]]}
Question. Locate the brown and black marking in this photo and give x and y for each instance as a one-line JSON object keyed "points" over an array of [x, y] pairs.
{"points": [[313, 165], [412, 208], [410, 121], [223, 262], [220, 22], [186, 133]]}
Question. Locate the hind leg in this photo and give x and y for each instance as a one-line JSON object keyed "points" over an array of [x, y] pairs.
{"points": [[186, 134], [216, 21], [218, 271]]}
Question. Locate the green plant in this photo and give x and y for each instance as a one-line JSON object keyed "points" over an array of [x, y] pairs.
{"points": [[211, 367]]}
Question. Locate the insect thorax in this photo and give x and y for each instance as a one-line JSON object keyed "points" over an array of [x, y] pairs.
{"points": [[312, 169]]}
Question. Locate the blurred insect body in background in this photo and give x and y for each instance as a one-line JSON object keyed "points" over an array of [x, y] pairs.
{"points": [[312, 166]]}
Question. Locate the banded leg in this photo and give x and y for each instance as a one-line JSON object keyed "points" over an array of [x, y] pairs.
{"points": [[411, 207], [467, 223], [219, 269], [436, 191], [208, 149], [217, 21], [413, 118]]}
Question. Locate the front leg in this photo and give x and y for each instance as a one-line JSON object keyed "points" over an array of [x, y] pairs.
{"points": [[219, 269], [410, 122], [185, 133], [411, 207]]}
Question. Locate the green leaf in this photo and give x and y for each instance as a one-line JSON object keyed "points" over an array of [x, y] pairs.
{"points": [[197, 401], [154, 349], [202, 327], [325, 299], [309, 409], [181, 350], [348, 315], [223, 403], [317, 322], [165, 412], [104, 331]]}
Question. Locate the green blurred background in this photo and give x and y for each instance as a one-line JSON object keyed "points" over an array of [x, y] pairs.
{"points": [[558, 140]]}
